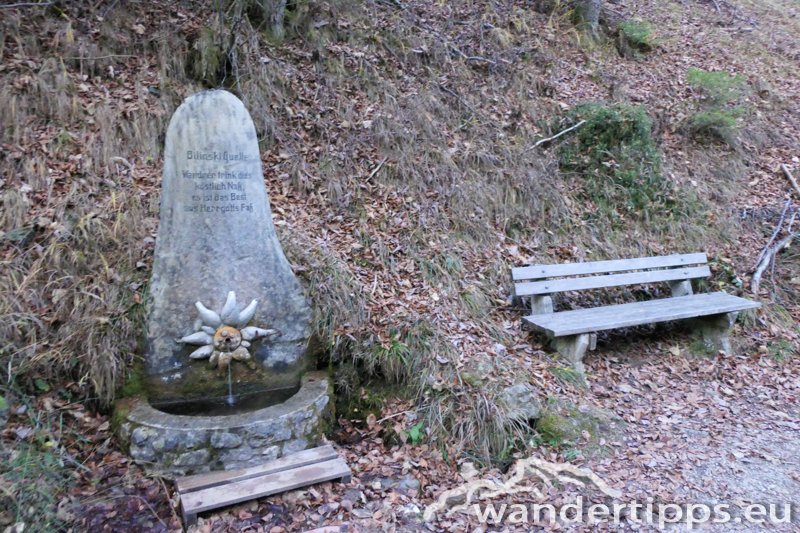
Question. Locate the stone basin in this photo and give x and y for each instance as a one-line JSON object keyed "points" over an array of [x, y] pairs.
{"points": [[173, 445]]}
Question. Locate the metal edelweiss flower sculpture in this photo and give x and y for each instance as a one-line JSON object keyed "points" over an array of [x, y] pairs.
{"points": [[224, 337]]}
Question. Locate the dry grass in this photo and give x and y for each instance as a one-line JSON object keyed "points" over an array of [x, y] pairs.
{"points": [[76, 222], [374, 85]]}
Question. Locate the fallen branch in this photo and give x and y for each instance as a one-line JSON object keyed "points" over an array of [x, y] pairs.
{"points": [[27, 4], [559, 134], [769, 256], [377, 168], [791, 178], [484, 489], [774, 233]]}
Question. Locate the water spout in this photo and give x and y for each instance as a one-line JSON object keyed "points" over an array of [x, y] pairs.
{"points": [[231, 400]]}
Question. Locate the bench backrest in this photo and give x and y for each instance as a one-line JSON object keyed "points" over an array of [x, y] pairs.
{"points": [[538, 279]]}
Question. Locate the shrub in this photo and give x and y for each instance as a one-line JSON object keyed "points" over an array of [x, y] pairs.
{"points": [[635, 37], [717, 111], [620, 165]]}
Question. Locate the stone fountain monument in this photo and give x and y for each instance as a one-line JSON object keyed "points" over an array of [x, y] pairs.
{"points": [[228, 324]]}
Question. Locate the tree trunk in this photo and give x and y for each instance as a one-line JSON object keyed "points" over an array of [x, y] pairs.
{"points": [[587, 15], [274, 11]]}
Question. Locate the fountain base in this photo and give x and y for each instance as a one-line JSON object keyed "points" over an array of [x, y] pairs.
{"points": [[174, 445]]}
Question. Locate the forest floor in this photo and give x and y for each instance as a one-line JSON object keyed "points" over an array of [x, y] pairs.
{"points": [[676, 427]]}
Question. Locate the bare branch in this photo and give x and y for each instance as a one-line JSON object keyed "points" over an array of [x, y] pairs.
{"points": [[559, 134], [27, 4], [769, 257], [791, 178]]}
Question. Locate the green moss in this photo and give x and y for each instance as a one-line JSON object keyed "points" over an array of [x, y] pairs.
{"points": [[556, 429], [470, 379], [373, 396], [566, 426], [120, 413], [568, 375], [134, 385]]}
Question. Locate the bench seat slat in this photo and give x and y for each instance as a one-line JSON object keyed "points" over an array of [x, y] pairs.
{"points": [[637, 313], [535, 272], [611, 280]]}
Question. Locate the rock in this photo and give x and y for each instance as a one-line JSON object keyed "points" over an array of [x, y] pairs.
{"points": [[585, 424], [142, 454], [274, 430], [225, 440], [193, 458], [294, 446], [215, 237], [522, 400], [407, 484], [271, 453], [141, 435], [237, 455]]}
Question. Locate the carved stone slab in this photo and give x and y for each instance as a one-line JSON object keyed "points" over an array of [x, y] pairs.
{"points": [[216, 237]]}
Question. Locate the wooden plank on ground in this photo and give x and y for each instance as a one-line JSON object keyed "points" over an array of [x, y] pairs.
{"points": [[638, 313], [535, 272], [258, 487], [212, 479], [611, 280]]}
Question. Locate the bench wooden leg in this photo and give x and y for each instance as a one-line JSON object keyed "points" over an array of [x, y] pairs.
{"points": [[572, 348], [716, 331]]}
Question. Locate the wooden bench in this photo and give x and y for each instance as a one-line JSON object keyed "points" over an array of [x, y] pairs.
{"points": [[575, 331]]}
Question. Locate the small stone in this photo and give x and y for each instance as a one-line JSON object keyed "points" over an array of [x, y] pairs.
{"points": [[225, 440], [237, 455], [500, 349], [483, 366], [296, 419], [141, 435], [193, 458], [171, 440], [522, 400], [294, 446], [406, 484], [273, 430], [144, 453], [328, 508], [271, 453], [410, 509], [194, 439]]}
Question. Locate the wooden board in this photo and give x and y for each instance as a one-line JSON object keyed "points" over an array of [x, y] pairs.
{"points": [[638, 313], [535, 272], [610, 280], [205, 492], [212, 479]]}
